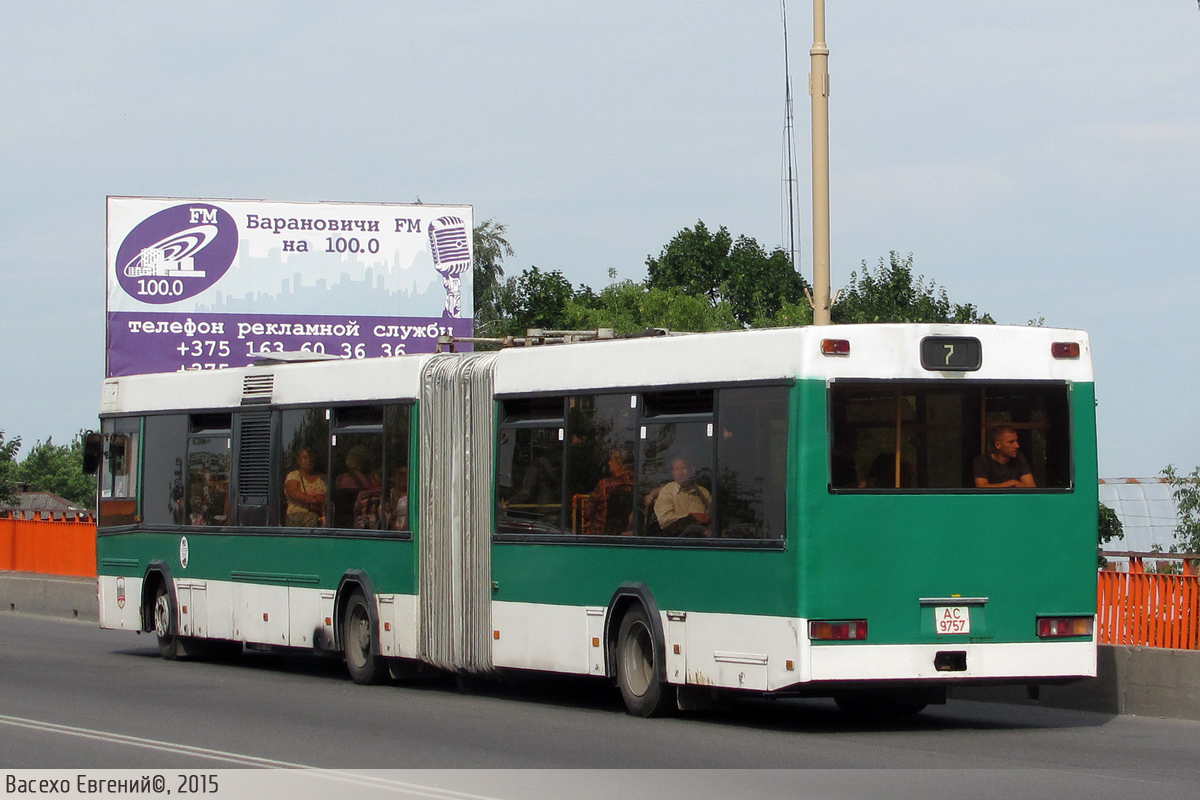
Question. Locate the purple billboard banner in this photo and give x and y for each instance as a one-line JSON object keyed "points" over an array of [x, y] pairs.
{"points": [[199, 284], [162, 342]]}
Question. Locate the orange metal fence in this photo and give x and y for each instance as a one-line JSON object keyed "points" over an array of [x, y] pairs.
{"points": [[1151, 609], [52, 547], [1146, 609]]}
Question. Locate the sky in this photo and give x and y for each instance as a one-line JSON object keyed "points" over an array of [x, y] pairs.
{"points": [[1038, 159]]}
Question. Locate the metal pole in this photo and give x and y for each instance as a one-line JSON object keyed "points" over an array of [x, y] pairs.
{"points": [[818, 87]]}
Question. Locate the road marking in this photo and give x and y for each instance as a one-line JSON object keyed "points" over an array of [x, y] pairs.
{"points": [[239, 759], [150, 744]]}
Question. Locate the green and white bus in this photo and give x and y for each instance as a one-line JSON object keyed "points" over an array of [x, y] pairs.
{"points": [[511, 510]]}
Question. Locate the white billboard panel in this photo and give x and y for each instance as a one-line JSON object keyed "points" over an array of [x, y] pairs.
{"points": [[205, 284]]}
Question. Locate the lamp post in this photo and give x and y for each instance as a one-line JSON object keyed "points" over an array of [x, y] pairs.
{"points": [[818, 88]]}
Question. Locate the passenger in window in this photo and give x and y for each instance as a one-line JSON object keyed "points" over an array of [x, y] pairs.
{"points": [[683, 507], [198, 513], [1004, 467], [209, 499], [882, 474], [396, 515], [358, 492], [306, 491], [610, 505]]}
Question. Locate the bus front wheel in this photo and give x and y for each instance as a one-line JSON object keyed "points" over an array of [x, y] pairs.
{"points": [[637, 665], [164, 624], [358, 637]]}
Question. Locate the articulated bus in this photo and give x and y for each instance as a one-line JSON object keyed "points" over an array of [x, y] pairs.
{"points": [[785, 511]]}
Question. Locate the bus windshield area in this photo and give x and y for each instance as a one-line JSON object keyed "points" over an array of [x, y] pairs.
{"points": [[893, 436]]}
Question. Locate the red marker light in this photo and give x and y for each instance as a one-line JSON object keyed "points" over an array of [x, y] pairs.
{"points": [[835, 347], [1065, 349]]}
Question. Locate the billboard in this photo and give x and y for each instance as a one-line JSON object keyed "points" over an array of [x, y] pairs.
{"points": [[209, 284]]}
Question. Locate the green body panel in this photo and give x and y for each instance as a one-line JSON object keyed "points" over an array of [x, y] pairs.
{"points": [[315, 561], [875, 556], [859, 556], [733, 581]]}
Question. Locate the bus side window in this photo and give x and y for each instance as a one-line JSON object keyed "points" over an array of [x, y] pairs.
{"points": [[529, 466], [119, 476]]}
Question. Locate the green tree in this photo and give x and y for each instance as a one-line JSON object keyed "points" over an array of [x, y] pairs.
{"points": [[1109, 527], [1186, 490], [891, 293], [490, 249], [740, 272], [629, 307], [8, 468], [59, 469], [534, 299]]}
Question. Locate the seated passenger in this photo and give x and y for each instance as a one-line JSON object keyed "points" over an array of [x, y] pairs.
{"points": [[396, 517], [683, 507], [611, 502], [1004, 467], [882, 474], [305, 490]]}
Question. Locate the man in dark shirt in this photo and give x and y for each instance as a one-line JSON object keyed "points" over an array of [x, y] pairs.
{"points": [[1004, 467]]}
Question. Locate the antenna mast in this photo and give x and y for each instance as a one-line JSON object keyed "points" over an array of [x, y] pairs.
{"points": [[789, 145]]}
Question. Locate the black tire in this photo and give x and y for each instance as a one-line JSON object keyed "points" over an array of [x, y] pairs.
{"points": [[162, 616], [882, 704], [358, 643], [638, 660]]}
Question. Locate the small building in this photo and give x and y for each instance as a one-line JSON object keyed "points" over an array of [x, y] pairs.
{"points": [[1147, 510], [43, 506]]}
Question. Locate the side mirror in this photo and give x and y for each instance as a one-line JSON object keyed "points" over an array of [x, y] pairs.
{"points": [[93, 451]]}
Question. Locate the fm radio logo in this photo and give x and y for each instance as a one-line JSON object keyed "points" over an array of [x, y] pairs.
{"points": [[177, 253], [451, 251]]}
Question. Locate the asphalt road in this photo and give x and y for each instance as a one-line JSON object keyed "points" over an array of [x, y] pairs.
{"points": [[75, 697]]}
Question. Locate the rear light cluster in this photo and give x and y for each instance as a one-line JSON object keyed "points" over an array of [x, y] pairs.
{"points": [[1061, 627], [837, 630]]}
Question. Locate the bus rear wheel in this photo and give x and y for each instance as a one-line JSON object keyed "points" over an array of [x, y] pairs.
{"points": [[164, 624], [637, 665], [358, 637]]}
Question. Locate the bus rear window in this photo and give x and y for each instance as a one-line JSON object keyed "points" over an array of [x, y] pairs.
{"points": [[914, 436]]}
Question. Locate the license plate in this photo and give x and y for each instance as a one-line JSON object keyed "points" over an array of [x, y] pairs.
{"points": [[952, 619]]}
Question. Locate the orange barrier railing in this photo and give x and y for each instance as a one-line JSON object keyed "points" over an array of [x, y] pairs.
{"points": [[52, 547], [1160, 608], [1151, 609]]}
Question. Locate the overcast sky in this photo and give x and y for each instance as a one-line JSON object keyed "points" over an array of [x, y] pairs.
{"points": [[1038, 158]]}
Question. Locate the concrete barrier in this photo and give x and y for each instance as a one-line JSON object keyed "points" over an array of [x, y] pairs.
{"points": [[49, 595], [1139, 681]]}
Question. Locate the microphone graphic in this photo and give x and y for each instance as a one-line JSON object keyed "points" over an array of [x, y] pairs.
{"points": [[451, 258]]}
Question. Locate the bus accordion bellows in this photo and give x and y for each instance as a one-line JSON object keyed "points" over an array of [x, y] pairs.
{"points": [[783, 511]]}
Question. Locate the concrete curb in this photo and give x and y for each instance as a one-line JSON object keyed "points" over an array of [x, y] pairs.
{"points": [[1139, 681], [49, 596]]}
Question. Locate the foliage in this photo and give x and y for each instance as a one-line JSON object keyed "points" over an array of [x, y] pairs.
{"points": [[534, 299], [1186, 490], [59, 469], [8, 468], [1109, 527], [755, 284], [490, 249], [890, 293], [628, 307], [702, 280]]}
